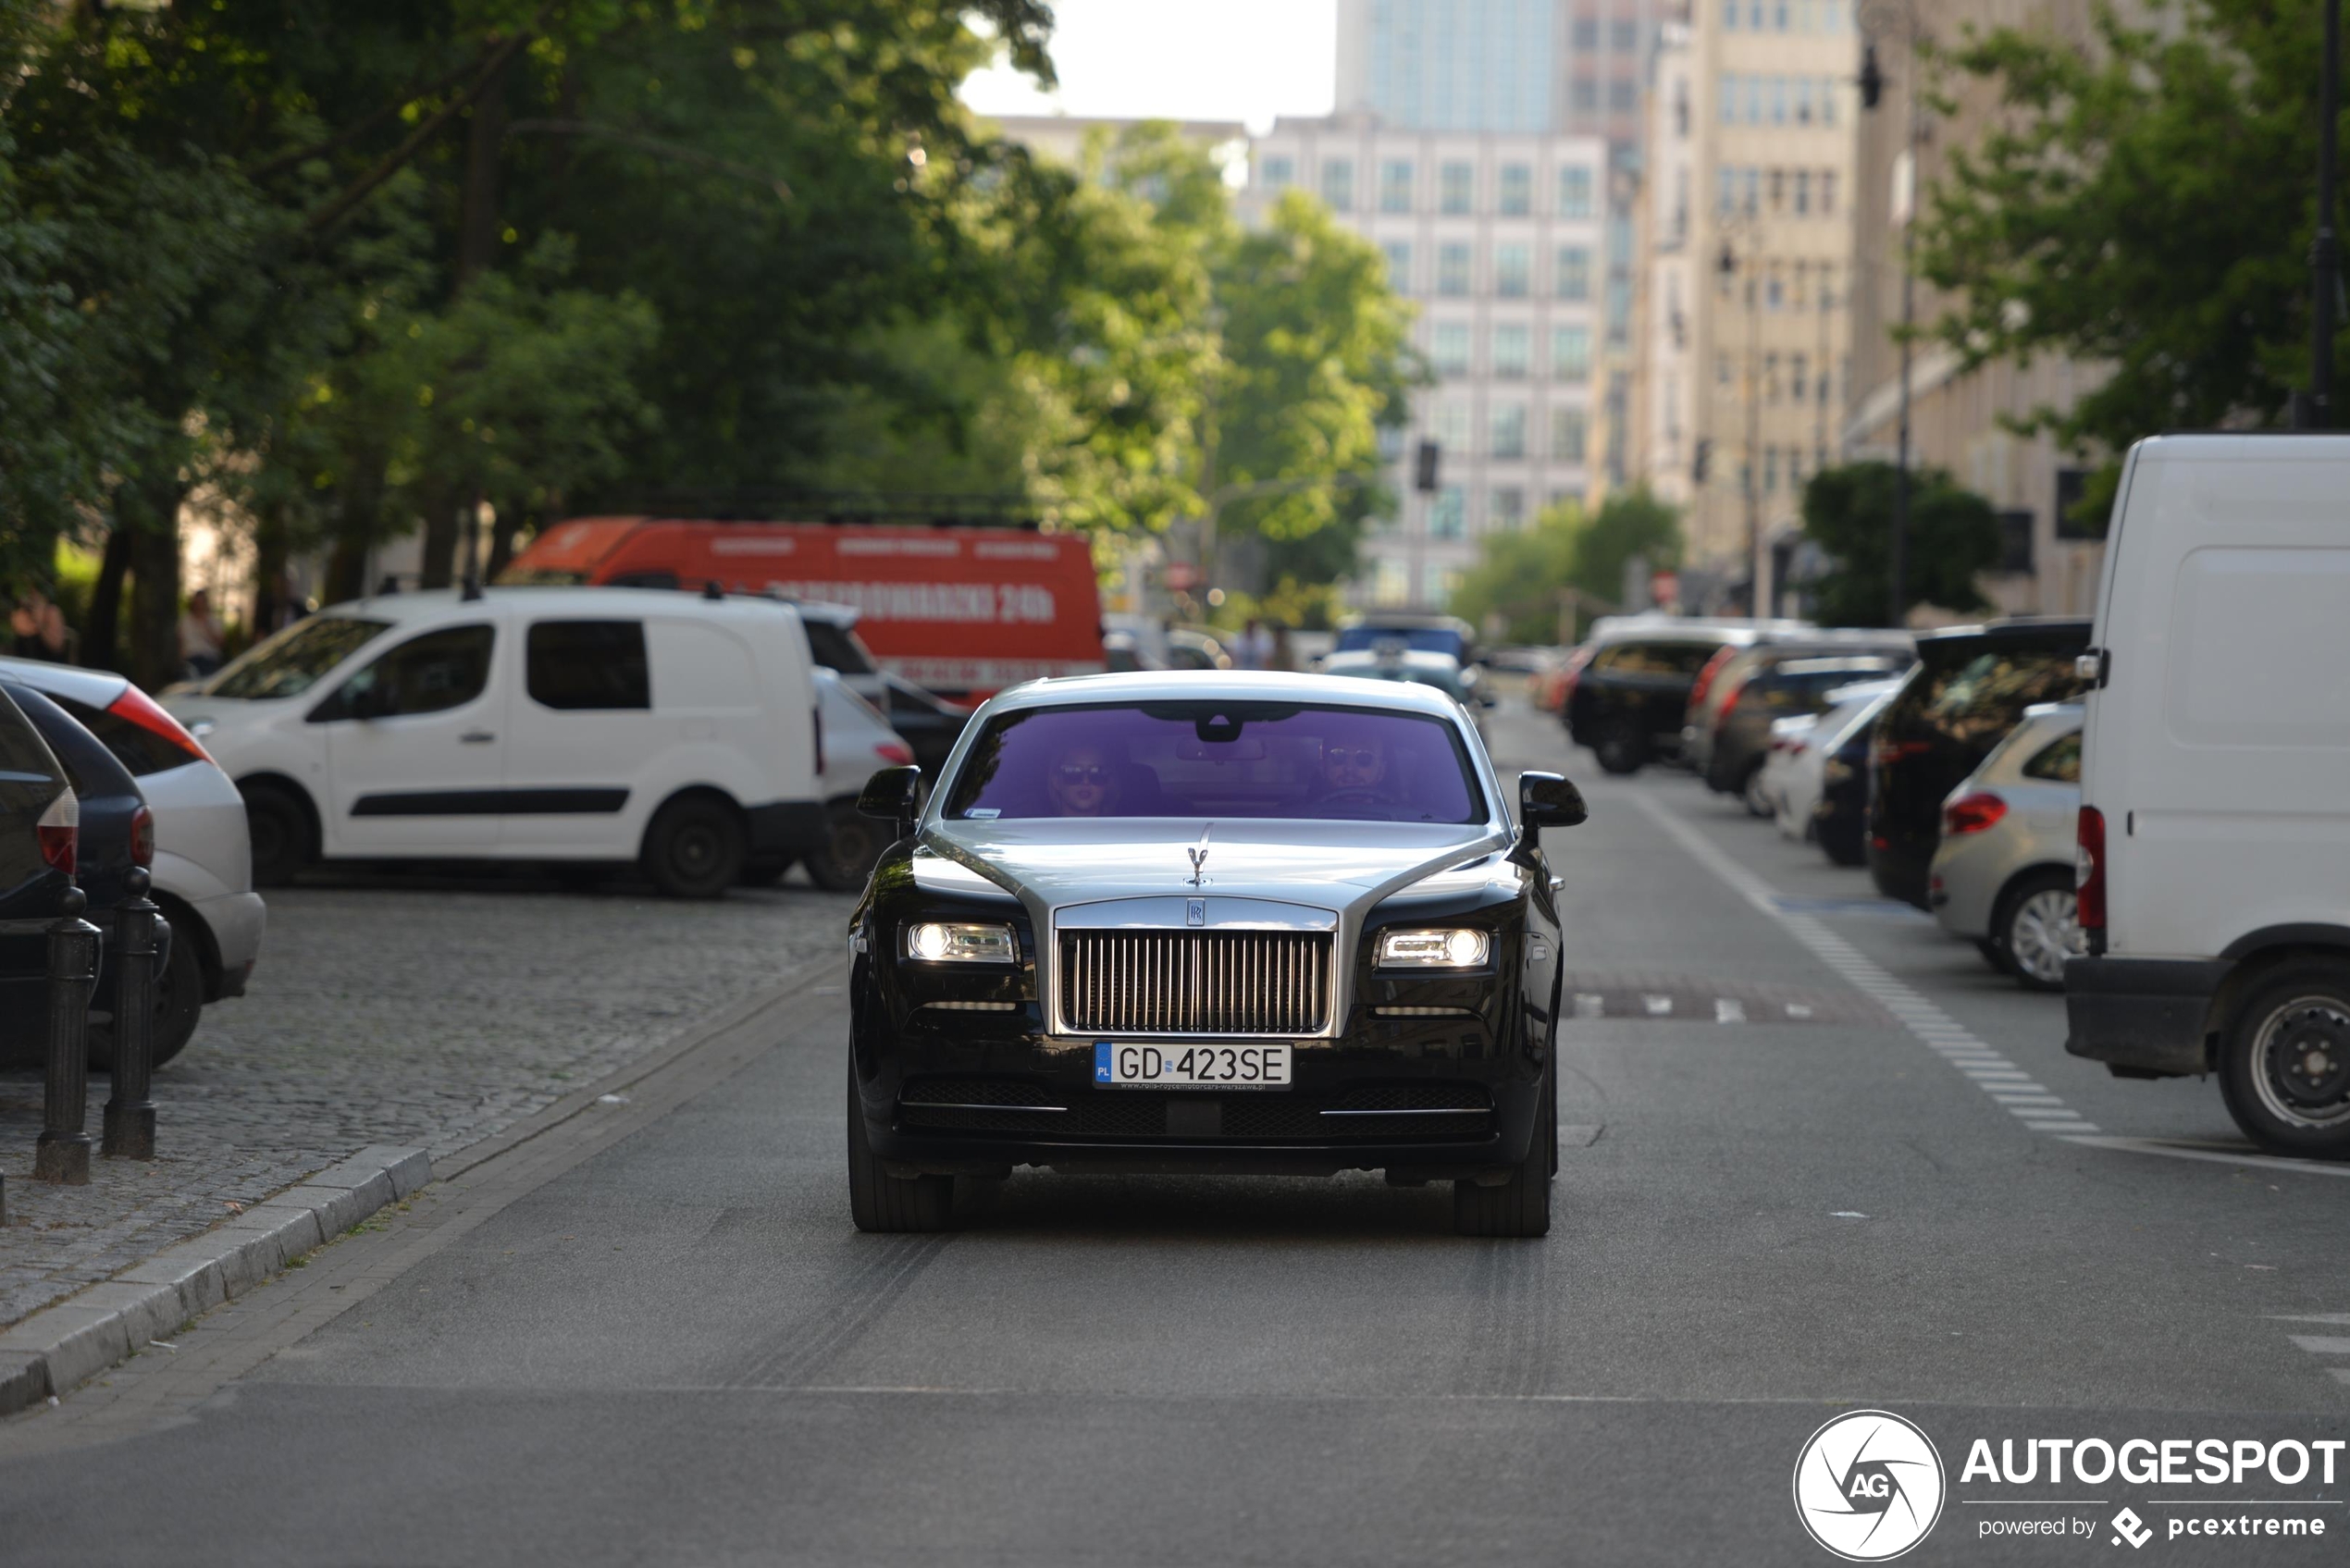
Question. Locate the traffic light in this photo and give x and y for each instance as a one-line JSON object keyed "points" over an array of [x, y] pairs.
{"points": [[1424, 466], [1702, 462]]}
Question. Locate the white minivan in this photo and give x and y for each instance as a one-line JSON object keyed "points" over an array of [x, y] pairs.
{"points": [[525, 724], [2215, 787]]}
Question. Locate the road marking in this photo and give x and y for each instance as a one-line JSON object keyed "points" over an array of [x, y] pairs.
{"points": [[1797, 1010], [2341, 1374], [1991, 1072], [2322, 1344], [1728, 1009], [1658, 1007], [1588, 1006], [2215, 1157], [2339, 1319]]}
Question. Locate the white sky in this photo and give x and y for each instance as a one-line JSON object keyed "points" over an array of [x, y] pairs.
{"points": [[1178, 59]]}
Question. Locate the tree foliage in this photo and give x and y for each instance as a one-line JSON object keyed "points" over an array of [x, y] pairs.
{"points": [[1847, 512], [1520, 578]]}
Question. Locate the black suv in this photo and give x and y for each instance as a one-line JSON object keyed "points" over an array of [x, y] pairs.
{"points": [[1781, 688], [1971, 688], [1626, 700]]}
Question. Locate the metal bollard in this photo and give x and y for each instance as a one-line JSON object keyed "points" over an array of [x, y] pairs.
{"points": [[130, 1115], [63, 1152]]}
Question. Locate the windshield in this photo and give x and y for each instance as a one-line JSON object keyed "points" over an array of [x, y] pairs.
{"points": [[1232, 760], [1419, 639], [290, 662]]}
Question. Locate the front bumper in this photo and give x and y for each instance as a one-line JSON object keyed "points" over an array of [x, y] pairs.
{"points": [[2147, 1014], [1427, 1097], [235, 921]]}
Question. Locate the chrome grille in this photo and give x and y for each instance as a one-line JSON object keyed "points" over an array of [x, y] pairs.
{"points": [[1195, 983]]}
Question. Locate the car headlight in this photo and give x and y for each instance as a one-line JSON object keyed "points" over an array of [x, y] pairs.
{"points": [[934, 942], [1456, 949]]}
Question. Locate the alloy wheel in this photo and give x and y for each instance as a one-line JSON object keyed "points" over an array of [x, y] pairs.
{"points": [[2044, 932]]}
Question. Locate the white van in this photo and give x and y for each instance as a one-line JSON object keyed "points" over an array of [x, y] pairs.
{"points": [[2215, 786], [563, 724]]}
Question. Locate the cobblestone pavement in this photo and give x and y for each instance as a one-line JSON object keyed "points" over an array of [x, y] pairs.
{"points": [[402, 1011]]}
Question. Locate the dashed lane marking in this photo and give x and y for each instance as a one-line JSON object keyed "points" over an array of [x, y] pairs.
{"points": [[1658, 1007], [1937, 1030], [1728, 1009]]}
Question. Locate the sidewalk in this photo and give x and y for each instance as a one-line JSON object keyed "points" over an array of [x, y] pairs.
{"points": [[390, 1016]]}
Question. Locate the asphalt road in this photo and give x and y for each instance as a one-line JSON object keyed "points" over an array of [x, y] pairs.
{"points": [[1840, 1166]]}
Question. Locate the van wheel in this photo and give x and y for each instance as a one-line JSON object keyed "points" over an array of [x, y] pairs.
{"points": [[279, 830], [853, 846], [878, 1201], [2037, 928], [1619, 747], [2284, 1066], [695, 847]]}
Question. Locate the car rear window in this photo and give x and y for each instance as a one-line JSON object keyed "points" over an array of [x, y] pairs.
{"points": [[837, 647], [1231, 760], [577, 666], [1655, 658], [1985, 698], [1419, 639], [2059, 761]]}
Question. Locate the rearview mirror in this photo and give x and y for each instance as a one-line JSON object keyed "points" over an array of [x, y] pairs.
{"points": [[892, 795]]}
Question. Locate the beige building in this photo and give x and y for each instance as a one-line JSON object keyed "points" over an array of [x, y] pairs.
{"points": [[2048, 566], [1747, 262]]}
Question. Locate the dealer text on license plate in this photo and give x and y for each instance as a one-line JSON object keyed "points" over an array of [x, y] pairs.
{"points": [[1255, 1065]]}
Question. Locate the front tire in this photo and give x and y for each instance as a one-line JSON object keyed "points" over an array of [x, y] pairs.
{"points": [[2285, 1068], [880, 1201], [278, 830], [853, 846], [1751, 791], [179, 1008], [695, 847], [1620, 749], [1520, 1206]]}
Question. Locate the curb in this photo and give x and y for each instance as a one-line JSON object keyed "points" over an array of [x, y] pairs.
{"points": [[61, 1346]]}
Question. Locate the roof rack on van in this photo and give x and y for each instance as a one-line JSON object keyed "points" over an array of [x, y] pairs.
{"points": [[909, 508]]}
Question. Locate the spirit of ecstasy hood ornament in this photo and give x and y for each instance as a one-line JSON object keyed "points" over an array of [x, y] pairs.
{"points": [[1199, 857]]}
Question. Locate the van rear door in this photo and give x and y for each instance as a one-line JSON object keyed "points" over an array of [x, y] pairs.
{"points": [[2219, 750]]}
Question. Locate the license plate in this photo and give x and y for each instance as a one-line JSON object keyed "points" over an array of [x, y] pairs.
{"points": [[1255, 1065]]}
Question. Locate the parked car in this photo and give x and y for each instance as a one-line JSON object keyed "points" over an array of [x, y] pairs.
{"points": [[1973, 685], [115, 833], [1189, 649], [1629, 693], [858, 742], [2002, 877], [40, 833], [202, 866], [1724, 677], [1775, 688], [1125, 652], [1790, 738], [538, 724], [1804, 781], [924, 720], [1438, 670], [1083, 1003], [1422, 633], [2214, 835]]}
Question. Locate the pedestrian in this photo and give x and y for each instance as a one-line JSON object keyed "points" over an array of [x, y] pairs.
{"points": [[1253, 650], [200, 636], [1284, 655], [37, 629]]}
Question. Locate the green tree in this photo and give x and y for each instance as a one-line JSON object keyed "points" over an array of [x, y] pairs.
{"points": [[2146, 205], [1847, 512], [1521, 577]]}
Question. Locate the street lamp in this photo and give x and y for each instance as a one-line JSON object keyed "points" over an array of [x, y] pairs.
{"points": [[1902, 17]]}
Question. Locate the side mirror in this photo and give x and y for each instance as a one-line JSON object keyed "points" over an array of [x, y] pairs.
{"points": [[1549, 800], [894, 795]]}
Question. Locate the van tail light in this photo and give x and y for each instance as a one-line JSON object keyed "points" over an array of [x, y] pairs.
{"points": [[894, 754], [1973, 813], [138, 708], [2088, 877], [142, 839], [1705, 682], [60, 831]]}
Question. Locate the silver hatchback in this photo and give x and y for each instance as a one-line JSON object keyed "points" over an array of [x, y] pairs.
{"points": [[2002, 876]]}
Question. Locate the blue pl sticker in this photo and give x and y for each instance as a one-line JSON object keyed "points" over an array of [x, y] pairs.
{"points": [[1101, 1061]]}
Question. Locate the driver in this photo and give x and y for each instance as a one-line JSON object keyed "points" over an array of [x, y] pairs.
{"points": [[1079, 781], [1355, 764]]}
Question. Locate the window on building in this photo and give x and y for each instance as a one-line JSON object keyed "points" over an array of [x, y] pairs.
{"points": [[1276, 173], [1619, 311], [1399, 264], [1449, 348], [1623, 37], [1395, 186], [1517, 198], [1513, 271], [1571, 353], [1575, 191], [1802, 183], [1769, 470], [1585, 93], [1725, 190], [1775, 190], [1774, 288], [1391, 582], [1567, 435], [1507, 427], [1456, 183], [1338, 184], [1770, 379], [1451, 427], [1448, 513], [1827, 191], [1728, 94], [1508, 508], [1622, 94], [1452, 269], [1829, 91], [1778, 99], [1730, 11], [1799, 377], [1778, 15], [1574, 276], [1803, 100], [1721, 370], [1512, 351], [1587, 34], [1828, 294], [1750, 189]]}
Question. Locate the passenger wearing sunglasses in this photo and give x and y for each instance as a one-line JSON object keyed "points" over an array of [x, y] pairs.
{"points": [[1078, 783]]}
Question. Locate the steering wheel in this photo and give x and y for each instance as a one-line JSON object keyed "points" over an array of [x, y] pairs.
{"points": [[1361, 795]]}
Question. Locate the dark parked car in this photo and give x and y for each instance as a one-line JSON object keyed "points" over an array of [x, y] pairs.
{"points": [[1971, 688], [1627, 700], [1779, 688], [1420, 633], [38, 835], [1840, 820], [116, 832], [1724, 676], [929, 724]]}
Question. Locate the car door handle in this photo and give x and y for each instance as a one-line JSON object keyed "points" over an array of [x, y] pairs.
{"points": [[476, 738]]}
